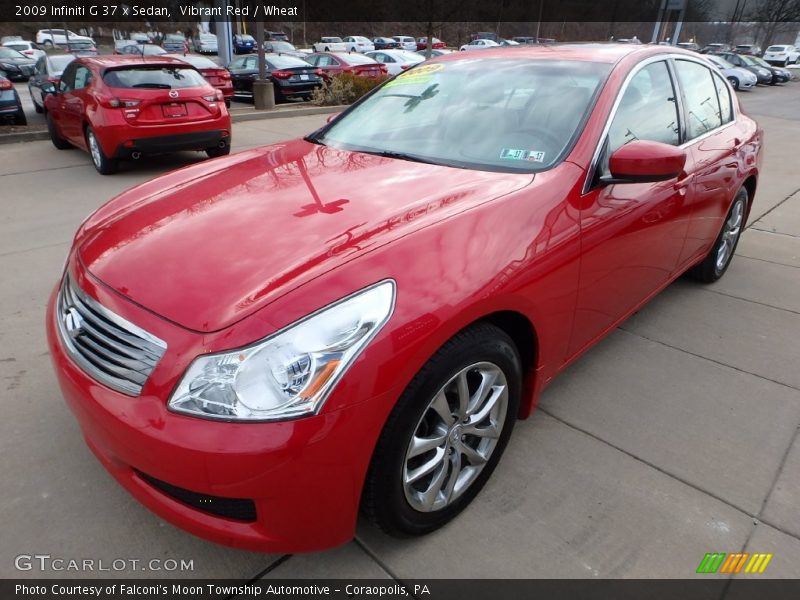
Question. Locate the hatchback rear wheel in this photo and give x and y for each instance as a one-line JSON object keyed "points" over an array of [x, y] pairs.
{"points": [[103, 164], [446, 434]]}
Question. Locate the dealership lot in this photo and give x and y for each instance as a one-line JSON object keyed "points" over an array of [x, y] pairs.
{"points": [[675, 437]]}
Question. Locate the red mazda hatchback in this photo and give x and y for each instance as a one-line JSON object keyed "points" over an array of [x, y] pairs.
{"points": [[258, 347], [121, 107]]}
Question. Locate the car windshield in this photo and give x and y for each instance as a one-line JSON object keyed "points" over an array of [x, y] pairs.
{"points": [[6, 52], [174, 37], [155, 77], [332, 40], [720, 62], [282, 46], [17, 47], [59, 63], [776, 49], [208, 37], [754, 60], [497, 115]]}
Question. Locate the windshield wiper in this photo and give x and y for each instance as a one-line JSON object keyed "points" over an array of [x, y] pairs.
{"points": [[400, 156], [312, 137]]}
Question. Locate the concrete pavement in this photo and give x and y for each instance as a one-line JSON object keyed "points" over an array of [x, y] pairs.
{"points": [[674, 437]]}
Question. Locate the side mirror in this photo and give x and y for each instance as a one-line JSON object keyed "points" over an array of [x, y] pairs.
{"points": [[643, 161], [332, 117], [49, 88]]}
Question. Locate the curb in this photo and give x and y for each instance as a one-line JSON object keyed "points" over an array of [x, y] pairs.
{"points": [[37, 136]]}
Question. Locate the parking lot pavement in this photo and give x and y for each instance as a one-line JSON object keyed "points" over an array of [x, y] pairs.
{"points": [[676, 436]]}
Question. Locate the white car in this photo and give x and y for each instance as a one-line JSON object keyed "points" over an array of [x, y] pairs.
{"points": [[781, 55], [330, 44], [406, 42], [58, 37], [358, 43], [396, 61], [206, 43], [479, 45], [25, 47], [741, 79]]}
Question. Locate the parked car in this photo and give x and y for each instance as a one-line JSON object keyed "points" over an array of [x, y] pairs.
{"points": [[764, 74], [781, 55], [748, 49], [121, 107], [406, 42], [281, 47], [436, 43], [779, 74], [45, 78], [335, 63], [396, 61], [244, 44], [385, 43], [217, 76], [141, 50], [435, 53], [715, 48], [479, 45], [689, 46], [525, 40], [11, 111], [485, 35], [740, 79], [26, 48], [122, 39], [330, 44], [291, 77], [175, 43], [16, 66], [358, 43], [206, 43], [277, 36], [80, 48], [58, 37], [287, 335]]}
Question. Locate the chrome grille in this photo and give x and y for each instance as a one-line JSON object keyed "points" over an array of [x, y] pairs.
{"points": [[107, 347]]}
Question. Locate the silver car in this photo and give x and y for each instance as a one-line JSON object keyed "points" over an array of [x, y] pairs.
{"points": [[741, 79]]}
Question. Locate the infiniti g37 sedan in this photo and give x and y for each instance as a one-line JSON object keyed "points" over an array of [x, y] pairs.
{"points": [[259, 346]]}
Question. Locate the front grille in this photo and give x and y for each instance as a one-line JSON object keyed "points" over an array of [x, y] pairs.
{"points": [[107, 347], [238, 509]]}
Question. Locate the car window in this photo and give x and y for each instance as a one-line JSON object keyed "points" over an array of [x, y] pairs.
{"points": [[68, 78], [286, 62], [725, 102], [83, 76], [237, 64], [250, 63], [59, 63], [41, 65], [700, 94], [154, 77], [646, 111]]}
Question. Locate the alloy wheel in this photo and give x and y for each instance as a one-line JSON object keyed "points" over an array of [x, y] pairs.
{"points": [[730, 234], [455, 437], [94, 149]]}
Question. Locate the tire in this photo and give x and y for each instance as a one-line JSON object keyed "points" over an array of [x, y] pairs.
{"points": [[215, 152], [734, 82], [717, 261], [58, 141], [48, 44], [36, 107], [103, 164], [419, 507]]}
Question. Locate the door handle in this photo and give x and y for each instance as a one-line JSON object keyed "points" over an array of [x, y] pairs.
{"points": [[682, 183]]}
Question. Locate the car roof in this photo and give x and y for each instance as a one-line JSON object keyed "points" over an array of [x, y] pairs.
{"points": [[105, 61], [605, 52]]}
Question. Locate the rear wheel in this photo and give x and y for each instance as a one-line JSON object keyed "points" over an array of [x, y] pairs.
{"points": [[446, 434], [48, 44], [719, 257], [103, 164], [58, 141], [734, 82]]}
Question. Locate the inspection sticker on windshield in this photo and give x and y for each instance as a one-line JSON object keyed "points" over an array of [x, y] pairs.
{"points": [[417, 75], [515, 154]]}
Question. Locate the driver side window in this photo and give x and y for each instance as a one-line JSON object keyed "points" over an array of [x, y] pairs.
{"points": [[68, 79], [647, 111]]}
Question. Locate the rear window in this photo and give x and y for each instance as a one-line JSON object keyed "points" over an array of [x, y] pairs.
{"points": [[247, 38], [286, 62], [282, 46], [357, 59], [6, 52], [776, 49], [18, 47], [80, 45], [174, 37], [154, 77]]}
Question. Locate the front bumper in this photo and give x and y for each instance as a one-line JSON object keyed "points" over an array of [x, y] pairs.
{"points": [[291, 486]]}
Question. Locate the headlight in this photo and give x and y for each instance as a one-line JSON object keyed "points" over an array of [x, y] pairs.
{"points": [[290, 373]]}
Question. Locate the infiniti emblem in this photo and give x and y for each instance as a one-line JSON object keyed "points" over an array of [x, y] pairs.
{"points": [[73, 322], [173, 93]]}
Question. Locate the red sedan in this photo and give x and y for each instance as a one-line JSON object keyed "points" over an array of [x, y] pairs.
{"points": [[335, 63], [436, 43], [259, 347], [120, 107], [214, 74]]}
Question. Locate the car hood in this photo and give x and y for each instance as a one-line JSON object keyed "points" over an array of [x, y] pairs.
{"points": [[208, 245]]}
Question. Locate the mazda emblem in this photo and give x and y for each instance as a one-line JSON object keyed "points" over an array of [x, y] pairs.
{"points": [[173, 93]]}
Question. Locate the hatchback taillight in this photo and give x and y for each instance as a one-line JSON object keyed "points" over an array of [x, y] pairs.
{"points": [[113, 102]]}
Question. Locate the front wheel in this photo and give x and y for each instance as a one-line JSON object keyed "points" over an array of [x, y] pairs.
{"points": [[58, 141], [103, 164], [734, 82], [446, 434], [719, 257]]}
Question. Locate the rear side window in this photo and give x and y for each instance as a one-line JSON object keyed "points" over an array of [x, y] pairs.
{"points": [[725, 102], [647, 110], [154, 77], [702, 105]]}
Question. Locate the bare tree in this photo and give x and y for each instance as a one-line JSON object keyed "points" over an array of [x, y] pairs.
{"points": [[775, 15]]}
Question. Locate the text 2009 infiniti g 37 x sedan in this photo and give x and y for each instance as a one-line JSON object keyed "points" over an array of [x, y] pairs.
{"points": [[259, 346]]}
